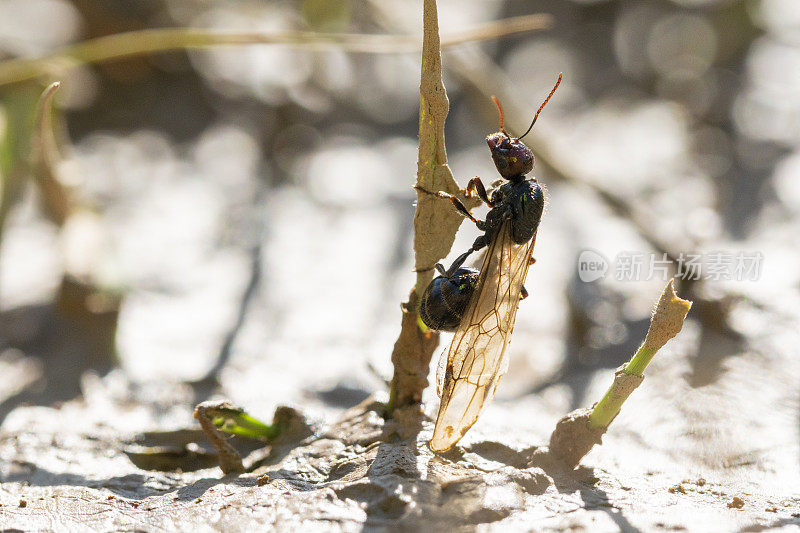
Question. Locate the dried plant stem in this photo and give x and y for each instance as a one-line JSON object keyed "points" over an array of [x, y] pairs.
{"points": [[135, 43], [45, 157], [435, 224]]}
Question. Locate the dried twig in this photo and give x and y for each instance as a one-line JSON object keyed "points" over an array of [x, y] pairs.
{"points": [[45, 157], [435, 226], [130, 44]]}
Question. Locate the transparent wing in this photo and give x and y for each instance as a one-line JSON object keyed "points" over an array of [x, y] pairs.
{"points": [[476, 358]]}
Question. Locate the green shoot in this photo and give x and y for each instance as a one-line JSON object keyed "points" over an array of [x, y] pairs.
{"points": [[577, 432], [240, 423], [666, 322]]}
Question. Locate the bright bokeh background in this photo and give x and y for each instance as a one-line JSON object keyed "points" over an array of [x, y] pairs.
{"points": [[256, 204]]}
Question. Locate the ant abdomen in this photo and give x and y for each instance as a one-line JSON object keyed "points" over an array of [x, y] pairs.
{"points": [[446, 298]]}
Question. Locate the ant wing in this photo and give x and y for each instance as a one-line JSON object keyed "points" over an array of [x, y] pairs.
{"points": [[476, 358], [441, 365]]}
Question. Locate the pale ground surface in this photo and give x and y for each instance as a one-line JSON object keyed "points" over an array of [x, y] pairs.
{"points": [[716, 418]]}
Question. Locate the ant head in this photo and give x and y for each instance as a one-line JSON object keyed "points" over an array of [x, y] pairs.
{"points": [[511, 157]]}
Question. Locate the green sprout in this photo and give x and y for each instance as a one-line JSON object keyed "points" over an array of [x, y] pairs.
{"points": [[580, 430], [224, 416], [237, 422]]}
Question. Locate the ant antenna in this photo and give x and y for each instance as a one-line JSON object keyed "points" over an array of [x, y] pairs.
{"points": [[500, 109], [560, 75]]}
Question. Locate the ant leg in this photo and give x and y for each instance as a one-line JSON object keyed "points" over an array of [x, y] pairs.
{"points": [[523, 293], [457, 263], [479, 243], [460, 207], [476, 185], [457, 203], [440, 269]]}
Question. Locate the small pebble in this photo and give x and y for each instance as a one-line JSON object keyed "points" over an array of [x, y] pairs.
{"points": [[262, 480], [736, 503], [677, 488]]}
